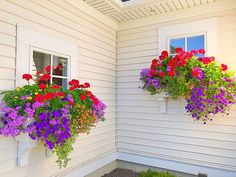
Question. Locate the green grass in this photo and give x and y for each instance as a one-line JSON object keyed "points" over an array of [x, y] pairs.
{"points": [[151, 173]]}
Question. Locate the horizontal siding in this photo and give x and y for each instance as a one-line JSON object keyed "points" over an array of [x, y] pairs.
{"points": [[96, 63], [142, 130]]}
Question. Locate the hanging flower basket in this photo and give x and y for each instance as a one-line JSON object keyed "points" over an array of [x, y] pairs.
{"points": [[207, 86], [46, 112]]}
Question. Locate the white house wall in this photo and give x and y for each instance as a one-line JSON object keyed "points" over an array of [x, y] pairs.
{"points": [[96, 63], [170, 140]]}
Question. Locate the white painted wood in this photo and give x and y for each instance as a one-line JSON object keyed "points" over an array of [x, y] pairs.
{"points": [[95, 42], [146, 133], [25, 145], [198, 11]]}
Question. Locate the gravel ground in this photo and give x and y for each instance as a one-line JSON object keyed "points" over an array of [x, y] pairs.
{"points": [[121, 173]]}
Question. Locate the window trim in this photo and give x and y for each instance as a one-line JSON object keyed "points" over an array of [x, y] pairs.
{"points": [[207, 26], [27, 38], [52, 53]]}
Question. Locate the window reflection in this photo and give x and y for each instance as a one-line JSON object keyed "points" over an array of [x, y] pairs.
{"points": [[174, 43]]}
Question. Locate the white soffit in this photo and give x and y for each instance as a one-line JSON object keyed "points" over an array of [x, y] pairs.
{"points": [[134, 9]]}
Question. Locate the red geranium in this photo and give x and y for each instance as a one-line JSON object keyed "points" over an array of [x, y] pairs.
{"points": [[86, 85], [179, 50], [195, 72], [95, 100], [89, 93], [48, 69], [42, 86], [27, 77], [45, 77], [164, 54], [55, 87], [153, 72], [154, 61], [39, 98], [38, 73], [206, 60], [49, 96], [161, 74], [224, 67], [82, 97], [60, 94], [171, 73], [201, 51], [74, 83]]}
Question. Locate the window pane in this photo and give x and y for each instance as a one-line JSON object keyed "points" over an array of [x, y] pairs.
{"points": [[60, 66], [196, 43], [174, 43], [40, 61], [60, 81]]}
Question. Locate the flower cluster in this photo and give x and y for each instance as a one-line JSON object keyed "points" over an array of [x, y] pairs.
{"points": [[208, 87], [50, 114]]}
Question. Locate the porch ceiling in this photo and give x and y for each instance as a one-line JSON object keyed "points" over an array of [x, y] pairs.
{"points": [[134, 9]]}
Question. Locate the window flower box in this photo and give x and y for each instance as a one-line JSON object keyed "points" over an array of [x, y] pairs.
{"points": [[208, 87], [47, 112]]}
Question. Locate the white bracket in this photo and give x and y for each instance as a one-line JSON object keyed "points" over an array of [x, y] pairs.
{"points": [[162, 98], [48, 152], [25, 145]]}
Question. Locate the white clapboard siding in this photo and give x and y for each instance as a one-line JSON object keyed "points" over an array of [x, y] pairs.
{"points": [[143, 130], [96, 63]]}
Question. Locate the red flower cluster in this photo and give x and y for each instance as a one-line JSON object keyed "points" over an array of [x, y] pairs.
{"points": [[42, 86], [82, 97], [206, 60], [74, 84], [195, 72], [179, 60], [55, 87], [27, 77], [224, 67], [92, 97], [48, 96]]}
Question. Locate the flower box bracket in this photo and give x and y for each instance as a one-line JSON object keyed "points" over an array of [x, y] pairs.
{"points": [[24, 146], [162, 98]]}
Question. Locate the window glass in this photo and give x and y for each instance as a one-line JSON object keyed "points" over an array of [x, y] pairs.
{"points": [[59, 67], [187, 43], [196, 43], [60, 81], [177, 42], [40, 61]]}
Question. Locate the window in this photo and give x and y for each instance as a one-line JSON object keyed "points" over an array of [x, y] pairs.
{"points": [[35, 51], [189, 36], [58, 63], [187, 43]]}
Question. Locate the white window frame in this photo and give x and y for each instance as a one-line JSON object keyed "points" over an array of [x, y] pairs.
{"points": [[28, 39], [186, 41], [206, 26], [34, 49]]}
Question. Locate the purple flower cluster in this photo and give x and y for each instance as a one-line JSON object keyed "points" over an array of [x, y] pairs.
{"points": [[200, 105], [98, 110], [12, 121], [52, 127], [148, 80]]}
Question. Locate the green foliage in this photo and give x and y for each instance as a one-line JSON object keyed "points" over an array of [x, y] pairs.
{"points": [[151, 173]]}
